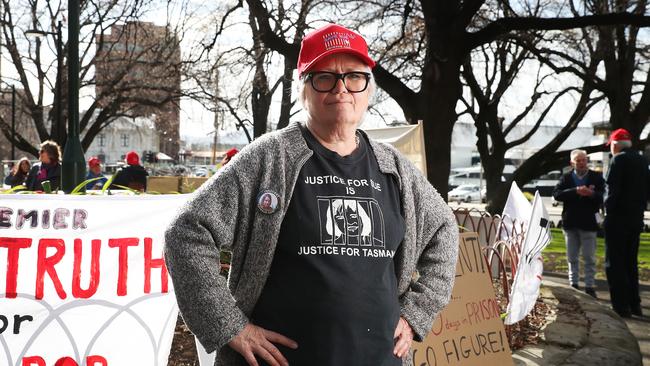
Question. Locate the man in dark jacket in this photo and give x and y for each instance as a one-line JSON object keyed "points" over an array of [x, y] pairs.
{"points": [[625, 203], [133, 175], [581, 192]]}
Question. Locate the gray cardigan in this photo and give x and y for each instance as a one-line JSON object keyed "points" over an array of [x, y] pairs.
{"points": [[223, 214]]}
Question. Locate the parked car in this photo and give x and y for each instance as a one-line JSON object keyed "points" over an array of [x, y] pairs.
{"points": [[473, 175], [465, 193], [544, 184]]}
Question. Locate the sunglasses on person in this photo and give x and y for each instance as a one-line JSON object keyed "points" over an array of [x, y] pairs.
{"points": [[325, 81]]}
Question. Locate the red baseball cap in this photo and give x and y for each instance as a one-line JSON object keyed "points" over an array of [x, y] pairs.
{"points": [[619, 135], [232, 152], [93, 161], [132, 158], [329, 40]]}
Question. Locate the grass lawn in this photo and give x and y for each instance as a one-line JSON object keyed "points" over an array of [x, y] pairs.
{"points": [[555, 255]]}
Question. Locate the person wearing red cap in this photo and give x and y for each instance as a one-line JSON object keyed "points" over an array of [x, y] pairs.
{"points": [[133, 175], [322, 269], [625, 203], [95, 171], [228, 156]]}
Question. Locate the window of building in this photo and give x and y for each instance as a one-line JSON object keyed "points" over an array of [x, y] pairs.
{"points": [[102, 140], [125, 140]]}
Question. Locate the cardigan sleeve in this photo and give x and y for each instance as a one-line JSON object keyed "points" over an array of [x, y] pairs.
{"points": [[437, 255], [206, 224]]}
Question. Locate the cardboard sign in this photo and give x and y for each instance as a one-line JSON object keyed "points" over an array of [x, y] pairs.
{"points": [[469, 331], [83, 277]]}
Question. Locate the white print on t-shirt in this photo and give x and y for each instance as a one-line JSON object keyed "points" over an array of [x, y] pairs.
{"points": [[349, 184], [351, 221], [349, 226], [345, 251]]}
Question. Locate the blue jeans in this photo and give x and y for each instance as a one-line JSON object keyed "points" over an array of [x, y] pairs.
{"points": [[576, 239]]}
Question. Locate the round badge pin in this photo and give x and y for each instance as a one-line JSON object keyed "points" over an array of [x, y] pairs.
{"points": [[268, 202]]}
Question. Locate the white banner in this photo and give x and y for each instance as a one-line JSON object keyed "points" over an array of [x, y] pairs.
{"points": [[525, 286], [84, 277], [515, 212]]}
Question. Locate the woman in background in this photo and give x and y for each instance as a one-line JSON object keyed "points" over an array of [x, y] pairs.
{"points": [[48, 168], [19, 173]]}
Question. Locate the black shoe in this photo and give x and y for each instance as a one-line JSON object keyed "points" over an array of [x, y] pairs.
{"points": [[576, 286], [591, 292], [636, 310], [624, 313]]}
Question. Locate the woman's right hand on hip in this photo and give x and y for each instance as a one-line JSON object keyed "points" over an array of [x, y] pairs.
{"points": [[256, 341]]}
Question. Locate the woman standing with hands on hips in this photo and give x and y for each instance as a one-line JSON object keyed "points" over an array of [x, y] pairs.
{"points": [[342, 252]]}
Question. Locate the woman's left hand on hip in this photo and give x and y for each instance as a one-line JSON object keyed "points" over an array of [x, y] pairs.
{"points": [[403, 338]]}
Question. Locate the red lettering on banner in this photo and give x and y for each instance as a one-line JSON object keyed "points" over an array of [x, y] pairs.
{"points": [[92, 360], [149, 264], [66, 361], [77, 291], [51, 259], [46, 264], [13, 245], [483, 310], [33, 360], [438, 330], [123, 244]]}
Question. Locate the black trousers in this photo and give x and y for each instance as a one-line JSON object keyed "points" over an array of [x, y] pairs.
{"points": [[621, 263]]}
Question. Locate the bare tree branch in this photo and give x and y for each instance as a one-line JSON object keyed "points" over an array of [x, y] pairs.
{"points": [[505, 25]]}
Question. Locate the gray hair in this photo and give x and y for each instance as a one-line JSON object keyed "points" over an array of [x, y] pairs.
{"points": [[623, 144], [577, 152]]}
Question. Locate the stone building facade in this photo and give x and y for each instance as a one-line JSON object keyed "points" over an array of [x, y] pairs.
{"points": [[123, 135], [146, 60]]}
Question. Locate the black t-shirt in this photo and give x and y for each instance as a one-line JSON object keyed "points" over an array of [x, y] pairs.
{"points": [[332, 286]]}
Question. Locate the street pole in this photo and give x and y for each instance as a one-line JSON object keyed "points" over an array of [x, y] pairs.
{"points": [[13, 122], [73, 169], [60, 126], [217, 112]]}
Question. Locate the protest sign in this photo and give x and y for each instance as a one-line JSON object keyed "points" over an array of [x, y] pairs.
{"points": [[469, 331], [528, 279], [84, 277]]}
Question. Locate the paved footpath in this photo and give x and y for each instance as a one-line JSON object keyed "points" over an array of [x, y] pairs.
{"points": [[639, 326]]}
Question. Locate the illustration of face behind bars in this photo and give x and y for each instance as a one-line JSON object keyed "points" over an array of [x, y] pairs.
{"points": [[346, 221]]}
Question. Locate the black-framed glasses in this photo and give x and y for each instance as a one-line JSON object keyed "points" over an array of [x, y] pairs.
{"points": [[325, 81]]}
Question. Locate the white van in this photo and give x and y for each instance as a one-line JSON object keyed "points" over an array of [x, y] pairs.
{"points": [[472, 175]]}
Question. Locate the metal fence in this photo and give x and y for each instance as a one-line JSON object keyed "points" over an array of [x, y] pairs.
{"points": [[501, 239]]}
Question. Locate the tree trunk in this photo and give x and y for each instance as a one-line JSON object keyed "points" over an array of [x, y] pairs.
{"points": [[441, 88], [497, 196], [493, 171], [260, 103], [287, 85]]}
